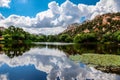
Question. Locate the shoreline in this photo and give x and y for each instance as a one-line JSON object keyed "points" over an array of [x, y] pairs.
{"points": [[103, 62]]}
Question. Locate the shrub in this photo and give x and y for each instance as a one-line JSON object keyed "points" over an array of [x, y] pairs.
{"points": [[107, 37], [116, 36], [65, 38], [52, 38], [85, 37]]}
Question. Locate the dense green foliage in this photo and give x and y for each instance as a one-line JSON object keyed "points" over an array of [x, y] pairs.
{"points": [[107, 37], [15, 35], [88, 37], [116, 36], [52, 38], [65, 38], [18, 35], [92, 37], [37, 38]]}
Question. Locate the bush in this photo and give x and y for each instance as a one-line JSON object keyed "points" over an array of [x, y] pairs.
{"points": [[65, 38], [107, 37], [68, 39], [85, 37], [116, 36], [42, 38], [52, 38]]}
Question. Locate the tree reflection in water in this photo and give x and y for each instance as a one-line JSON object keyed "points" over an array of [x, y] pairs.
{"points": [[72, 49], [14, 50], [52, 60]]}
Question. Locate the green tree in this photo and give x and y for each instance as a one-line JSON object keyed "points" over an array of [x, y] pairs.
{"points": [[33, 37], [107, 37], [1, 33], [15, 35], [69, 39], [65, 38], [78, 38], [52, 38], [116, 36], [42, 38], [7, 38], [85, 37]]}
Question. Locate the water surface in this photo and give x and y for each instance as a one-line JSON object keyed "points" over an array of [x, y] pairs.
{"points": [[45, 62]]}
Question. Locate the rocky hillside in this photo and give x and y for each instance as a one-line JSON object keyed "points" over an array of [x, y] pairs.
{"points": [[101, 24]]}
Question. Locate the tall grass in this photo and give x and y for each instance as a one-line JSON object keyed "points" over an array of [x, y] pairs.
{"points": [[98, 59]]}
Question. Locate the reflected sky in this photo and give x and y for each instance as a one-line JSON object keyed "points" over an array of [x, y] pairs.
{"points": [[47, 64]]}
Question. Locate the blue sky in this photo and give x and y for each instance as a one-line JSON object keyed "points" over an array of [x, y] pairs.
{"points": [[32, 7], [52, 16]]}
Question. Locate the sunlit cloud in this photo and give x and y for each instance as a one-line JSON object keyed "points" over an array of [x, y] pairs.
{"points": [[5, 3], [4, 77], [48, 21]]}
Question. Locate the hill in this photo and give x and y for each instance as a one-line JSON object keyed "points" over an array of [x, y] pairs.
{"points": [[101, 24]]}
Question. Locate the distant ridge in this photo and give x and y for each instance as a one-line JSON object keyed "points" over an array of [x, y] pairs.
{"points": [[101, 24]]}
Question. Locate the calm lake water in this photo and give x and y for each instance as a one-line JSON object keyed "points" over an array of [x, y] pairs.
{"points": [[49, 61]]}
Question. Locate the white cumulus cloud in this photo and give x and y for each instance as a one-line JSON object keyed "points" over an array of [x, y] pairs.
{"points": [[3, 77], [1, 17], [57, 17], [5, 3]]}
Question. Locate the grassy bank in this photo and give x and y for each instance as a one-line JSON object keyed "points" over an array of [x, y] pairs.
{"points": [[103, 62], [98, 59]]}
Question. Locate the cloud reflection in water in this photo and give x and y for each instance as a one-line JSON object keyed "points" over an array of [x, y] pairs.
{"points": [[56, 64]]}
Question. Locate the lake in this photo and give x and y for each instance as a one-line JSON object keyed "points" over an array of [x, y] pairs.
{"points": [[50, 61]]}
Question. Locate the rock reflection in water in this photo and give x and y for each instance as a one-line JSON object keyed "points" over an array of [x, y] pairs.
{"points": [[55, 63]]}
